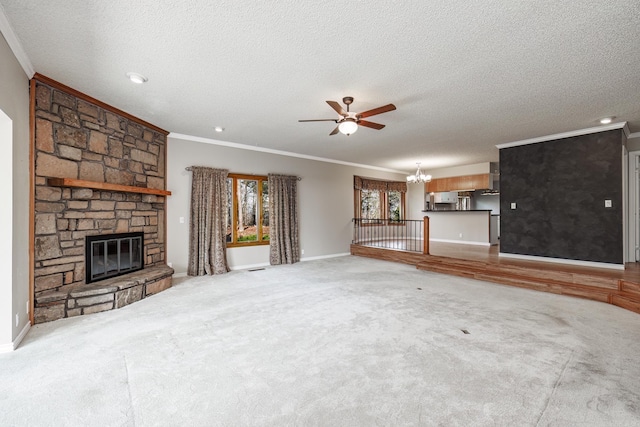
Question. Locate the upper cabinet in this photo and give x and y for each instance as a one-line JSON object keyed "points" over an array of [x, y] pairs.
{"points": [[483, 181]]}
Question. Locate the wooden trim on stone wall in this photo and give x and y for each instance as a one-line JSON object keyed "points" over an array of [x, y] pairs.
{"points": [[105, 186], [32, 198], [57, 85], [165, 210]]}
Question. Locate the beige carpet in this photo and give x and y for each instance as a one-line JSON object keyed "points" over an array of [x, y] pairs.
{"points": [[341, 342]]}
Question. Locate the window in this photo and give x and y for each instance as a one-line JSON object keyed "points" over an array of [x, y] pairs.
{"points": [[248, 210], [376, 206]]}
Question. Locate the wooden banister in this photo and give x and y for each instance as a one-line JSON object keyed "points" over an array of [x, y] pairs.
{"points": [[425, 236]]}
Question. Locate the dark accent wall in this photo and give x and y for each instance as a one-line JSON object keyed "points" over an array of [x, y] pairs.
{"points": [[560, 188]]}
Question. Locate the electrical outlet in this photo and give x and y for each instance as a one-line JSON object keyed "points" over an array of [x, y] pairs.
{"points": [[27, 304], [460, 235], [302, 252], [513, 205], [607, 203], [181, 219], [17, 319]]}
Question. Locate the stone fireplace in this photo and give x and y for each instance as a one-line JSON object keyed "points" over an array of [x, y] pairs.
{"points": [[97, 171]]}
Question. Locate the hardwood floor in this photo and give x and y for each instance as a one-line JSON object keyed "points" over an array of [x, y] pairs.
{"points": [[618, 287]]}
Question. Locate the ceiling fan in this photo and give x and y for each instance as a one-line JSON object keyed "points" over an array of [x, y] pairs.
{"points": [[348, 121]]}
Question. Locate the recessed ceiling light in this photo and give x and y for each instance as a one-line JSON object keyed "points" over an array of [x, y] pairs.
{"points": [[137, 78], [218, 129], [606, 120]]}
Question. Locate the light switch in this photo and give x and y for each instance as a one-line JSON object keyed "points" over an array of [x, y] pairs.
{"points": [[513, 205], [607, 203], [181, 220]]}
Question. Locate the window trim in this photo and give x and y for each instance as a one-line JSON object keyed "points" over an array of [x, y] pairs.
{"points": [[234, 210]]}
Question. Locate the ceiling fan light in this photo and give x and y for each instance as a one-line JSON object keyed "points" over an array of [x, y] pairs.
{"points": [[348, 126]]}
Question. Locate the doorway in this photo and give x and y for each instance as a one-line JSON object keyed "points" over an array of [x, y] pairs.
{"points": [[633, 215]]}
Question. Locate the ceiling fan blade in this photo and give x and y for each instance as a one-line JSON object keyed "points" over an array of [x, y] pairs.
{"points": [[335, 131], [338, 108], [319, 120], [379, 110], [372, 125]]}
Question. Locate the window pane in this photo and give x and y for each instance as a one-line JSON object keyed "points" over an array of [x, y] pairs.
{"points": [[394, 198], [370, 205], [247, 193], [265, 210]]}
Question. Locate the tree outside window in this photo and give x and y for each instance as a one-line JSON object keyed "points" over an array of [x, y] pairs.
{"points": [[395, 206], [376, 207], [248, 212]]}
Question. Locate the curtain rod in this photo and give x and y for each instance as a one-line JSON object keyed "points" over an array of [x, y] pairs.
{"points": [[188, 168]]}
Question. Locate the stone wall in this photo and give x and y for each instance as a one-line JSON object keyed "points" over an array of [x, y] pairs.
{"points": [[79, 139]]}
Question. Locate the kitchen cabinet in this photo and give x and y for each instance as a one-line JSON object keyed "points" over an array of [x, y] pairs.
{"points": [[481, 181]]}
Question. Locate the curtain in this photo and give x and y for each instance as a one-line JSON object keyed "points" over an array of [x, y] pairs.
{"points": [[284, 246], [360, 183], [208, 226]]}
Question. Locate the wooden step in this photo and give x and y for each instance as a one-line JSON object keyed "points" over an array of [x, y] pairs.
{"points": [[627, 301], [518, 278], [550, 274], [630, 287]]}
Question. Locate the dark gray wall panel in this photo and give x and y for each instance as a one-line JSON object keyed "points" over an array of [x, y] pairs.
{"points": [[560, 187]]}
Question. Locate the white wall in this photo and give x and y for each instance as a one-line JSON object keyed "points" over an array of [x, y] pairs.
{"points": [[415, 199], [14, 186], [474, 169], [325, 198]]}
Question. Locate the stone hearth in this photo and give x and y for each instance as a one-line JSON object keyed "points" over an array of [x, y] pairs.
{"points": [[108, 294]]}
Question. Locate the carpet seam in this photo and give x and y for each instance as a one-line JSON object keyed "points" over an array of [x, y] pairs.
{"points": [[555, 387]]}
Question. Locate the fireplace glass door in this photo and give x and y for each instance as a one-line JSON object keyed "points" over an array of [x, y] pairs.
{"points": [[113, 255]]}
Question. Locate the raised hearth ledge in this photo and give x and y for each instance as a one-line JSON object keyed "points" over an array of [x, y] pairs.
{"points": [[79, 183], [104, 295]]}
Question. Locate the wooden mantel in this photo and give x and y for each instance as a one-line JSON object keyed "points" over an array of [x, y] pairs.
{"points": [[105, 186]]}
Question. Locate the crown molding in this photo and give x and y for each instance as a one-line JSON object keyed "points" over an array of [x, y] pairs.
{"points": [[14, 44], [278, 152], [621, 125]]}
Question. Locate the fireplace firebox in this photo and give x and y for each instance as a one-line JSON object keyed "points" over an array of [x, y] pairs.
{"points": [[113, 255]]}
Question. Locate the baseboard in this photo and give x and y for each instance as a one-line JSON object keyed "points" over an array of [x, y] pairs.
{"points": [[461, 242], [563, 261], [180, 274], [248, 266], [313, 258], [266, 264], [9, 347]]}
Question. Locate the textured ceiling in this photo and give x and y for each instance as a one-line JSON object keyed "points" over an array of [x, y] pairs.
{"points": [[464, 76]]}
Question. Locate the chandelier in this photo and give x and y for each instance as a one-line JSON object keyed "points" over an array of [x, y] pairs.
{"points": [[418, 177]]}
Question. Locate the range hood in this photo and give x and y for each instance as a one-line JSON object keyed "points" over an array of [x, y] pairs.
{"points": [[495, 182]]}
